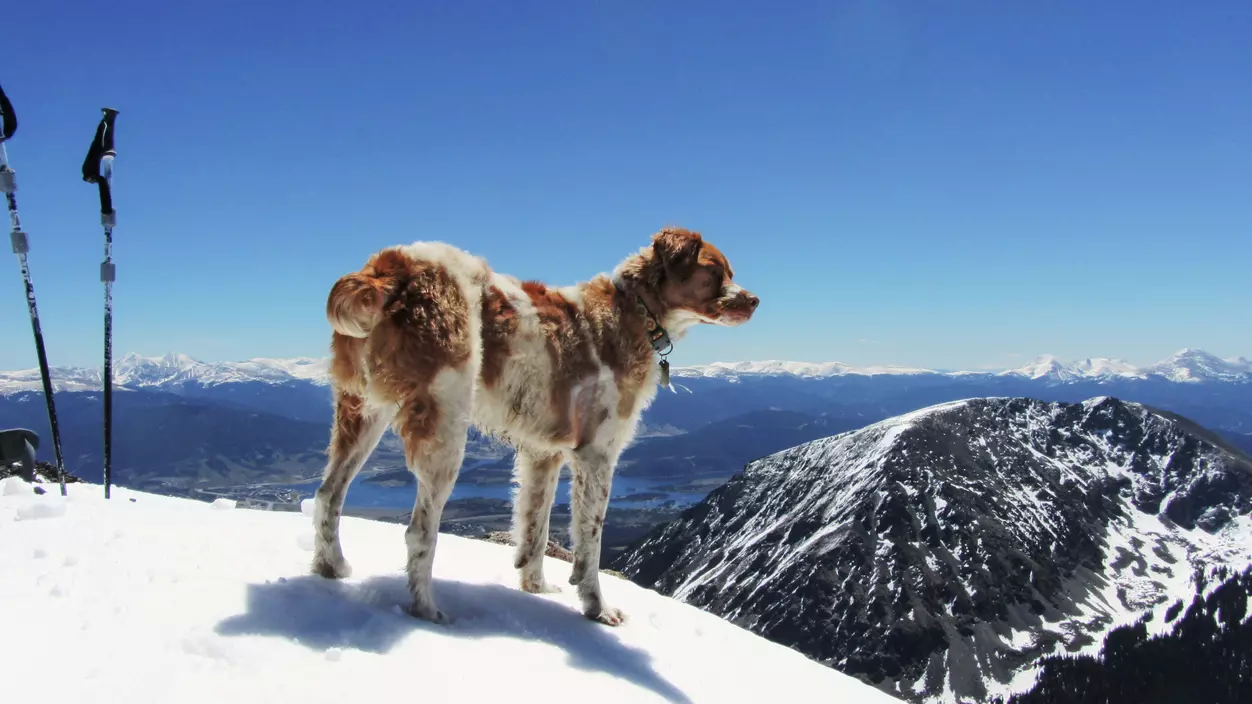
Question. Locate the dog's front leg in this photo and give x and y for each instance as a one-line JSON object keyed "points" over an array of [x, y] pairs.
{"points": [[589, 499]]}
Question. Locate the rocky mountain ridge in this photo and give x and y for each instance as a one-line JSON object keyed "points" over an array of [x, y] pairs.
{"points": [[937, 554]]}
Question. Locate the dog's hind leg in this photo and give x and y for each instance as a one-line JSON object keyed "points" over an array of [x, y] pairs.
{"points": [[356, 432], [537, 476], [589, 499], [434, 425]]}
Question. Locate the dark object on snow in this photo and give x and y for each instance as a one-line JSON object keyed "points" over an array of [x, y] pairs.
{"points": [[21, 246], [17, 447], [98, 169], [554, 549], [45, 473], [17, 459]]}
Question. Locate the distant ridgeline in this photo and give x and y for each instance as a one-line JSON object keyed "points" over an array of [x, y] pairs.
{"points": [[179, 422], [1206, 656]]}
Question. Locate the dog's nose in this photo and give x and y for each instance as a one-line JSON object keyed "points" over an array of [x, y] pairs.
{"points": [[753, 301]]}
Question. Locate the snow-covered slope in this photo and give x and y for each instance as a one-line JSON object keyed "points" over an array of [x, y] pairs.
{"points": [[943, 551], [146, 598]]}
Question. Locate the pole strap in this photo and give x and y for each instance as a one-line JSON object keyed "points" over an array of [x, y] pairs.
{"points": [[101, 154]]}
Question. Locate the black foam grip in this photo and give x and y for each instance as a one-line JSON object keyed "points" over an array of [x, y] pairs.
{"points": [[101, 144], [8, 118]]}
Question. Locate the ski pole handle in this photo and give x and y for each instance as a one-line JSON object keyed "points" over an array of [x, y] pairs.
{"points": [[7, 116], [98, 166]]}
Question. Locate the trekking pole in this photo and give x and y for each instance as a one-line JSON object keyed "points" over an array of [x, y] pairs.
{"points": [[98, 169], [21, 245]]}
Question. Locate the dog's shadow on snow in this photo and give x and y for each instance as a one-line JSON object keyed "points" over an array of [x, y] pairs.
{"points": [[321, 613]]}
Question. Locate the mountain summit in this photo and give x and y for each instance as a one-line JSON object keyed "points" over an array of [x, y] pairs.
{"points": [[941, 552], [1049, 367], [148, 598], [1192, 365]]}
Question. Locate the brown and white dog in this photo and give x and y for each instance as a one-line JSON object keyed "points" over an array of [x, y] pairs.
{"points": [[429, 340]]}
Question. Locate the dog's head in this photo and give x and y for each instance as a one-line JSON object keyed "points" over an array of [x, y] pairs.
{"points": [[691, 280]]}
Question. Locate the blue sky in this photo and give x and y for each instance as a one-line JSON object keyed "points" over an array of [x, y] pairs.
{"points": [[957, 185]]}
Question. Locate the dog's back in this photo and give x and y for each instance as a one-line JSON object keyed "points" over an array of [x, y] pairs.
{"points": [[409, 313]]}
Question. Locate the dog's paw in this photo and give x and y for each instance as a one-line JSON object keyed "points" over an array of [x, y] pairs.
{"points": [[540, 586], [607, 615], [330, 567], [428, 612]]}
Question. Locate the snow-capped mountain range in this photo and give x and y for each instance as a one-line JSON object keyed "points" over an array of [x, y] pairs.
{"points": [[133, 371], [1186, 366], [175, 370], [940, 553]]}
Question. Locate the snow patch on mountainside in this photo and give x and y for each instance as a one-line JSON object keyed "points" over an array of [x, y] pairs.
{"points": [[1159, 619], [148, 598]]}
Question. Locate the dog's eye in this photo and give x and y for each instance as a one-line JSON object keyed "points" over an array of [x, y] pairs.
{"points": [[717, 277]]}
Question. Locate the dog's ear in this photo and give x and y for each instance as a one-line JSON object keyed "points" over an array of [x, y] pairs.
{"points": [[678, 250]]}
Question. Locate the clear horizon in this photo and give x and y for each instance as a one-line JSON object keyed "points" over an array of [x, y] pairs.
{"points": [[921, 186], [1015, 365]]}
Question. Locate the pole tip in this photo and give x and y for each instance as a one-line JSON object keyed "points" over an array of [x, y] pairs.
{"points": [[109, 111]]}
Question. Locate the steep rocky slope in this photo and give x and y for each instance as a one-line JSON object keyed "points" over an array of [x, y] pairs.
{"points": [[938, 553]]}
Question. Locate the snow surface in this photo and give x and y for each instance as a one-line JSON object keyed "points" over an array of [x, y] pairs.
{"points": [[148, 598], [174, 370]]}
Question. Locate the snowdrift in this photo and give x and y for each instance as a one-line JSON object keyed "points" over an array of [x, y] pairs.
{"points": [[147, 598]]}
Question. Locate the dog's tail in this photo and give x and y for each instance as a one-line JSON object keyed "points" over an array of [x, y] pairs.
{"points": [[355, 304]]}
